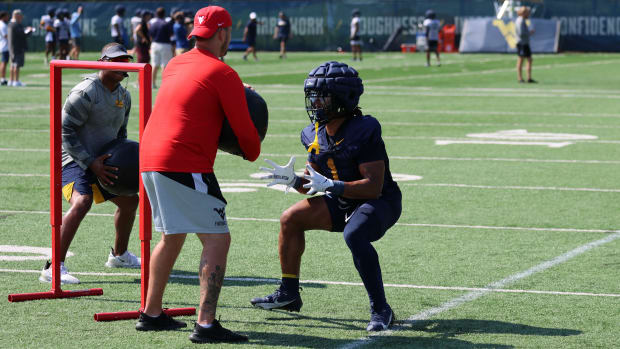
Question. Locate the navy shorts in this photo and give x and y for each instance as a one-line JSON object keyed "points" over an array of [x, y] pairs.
{"points": [[84, 182], [251, 41], [432, 45], [523, 50], [384, 212], [4, 58]]}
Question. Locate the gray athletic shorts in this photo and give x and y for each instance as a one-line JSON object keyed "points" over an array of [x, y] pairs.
{"points": [[186, 202]]}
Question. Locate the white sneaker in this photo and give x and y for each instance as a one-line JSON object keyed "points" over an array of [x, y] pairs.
{"points": [[65, 277], [18, 84], [126, 260]]}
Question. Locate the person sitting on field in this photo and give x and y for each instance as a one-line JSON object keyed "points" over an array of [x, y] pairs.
{"points": [[95, 113]]}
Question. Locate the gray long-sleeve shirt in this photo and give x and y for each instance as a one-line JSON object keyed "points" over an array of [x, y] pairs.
{"points": [[92, 117]]}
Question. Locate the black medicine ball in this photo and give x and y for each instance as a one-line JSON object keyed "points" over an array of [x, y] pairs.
{"points": [[260, 116], [125, 157]]}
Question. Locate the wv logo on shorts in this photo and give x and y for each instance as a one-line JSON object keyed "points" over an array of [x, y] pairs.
{"points": [[222, 213]]}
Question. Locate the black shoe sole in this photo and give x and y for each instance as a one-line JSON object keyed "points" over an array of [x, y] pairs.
{"points": [[294, 306], [159, 328], [195, 339]]}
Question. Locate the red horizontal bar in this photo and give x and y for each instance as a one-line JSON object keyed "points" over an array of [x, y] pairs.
{"points": [[21, 297], [98, 65], [128, 315]]}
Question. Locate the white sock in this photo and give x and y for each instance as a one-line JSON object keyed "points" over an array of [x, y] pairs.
{"points": [[205, 326]]}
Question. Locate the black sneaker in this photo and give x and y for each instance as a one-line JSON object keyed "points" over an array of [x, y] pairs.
{"points": [[280, 299], [161, 323], [380, 321], [532, 81], [215, 333]]}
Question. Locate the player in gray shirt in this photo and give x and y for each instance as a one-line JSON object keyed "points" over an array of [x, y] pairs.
{"points": [[523, 33], [95, 113]]}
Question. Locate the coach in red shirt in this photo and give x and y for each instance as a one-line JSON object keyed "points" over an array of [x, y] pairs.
{"points": [[177, 153]]}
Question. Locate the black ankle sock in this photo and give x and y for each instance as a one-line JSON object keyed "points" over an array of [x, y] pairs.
{"points": [[290, 284]]}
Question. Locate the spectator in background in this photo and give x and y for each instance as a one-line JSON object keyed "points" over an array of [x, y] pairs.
{"points": [[356, 41], [76, 33], [143, 38], [135, 20], [249, 36], [523, 32], [117, 27], [62, 28], [180, 33], [4, 46], [17, 35], [282, 32], [162, 49], [47, 24], [431, 30]]}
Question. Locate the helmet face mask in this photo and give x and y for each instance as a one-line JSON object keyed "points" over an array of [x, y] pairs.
{"points": [[320, 106]]}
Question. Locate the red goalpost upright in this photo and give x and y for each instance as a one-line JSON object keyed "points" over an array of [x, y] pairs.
{"points": [[144, 81]]}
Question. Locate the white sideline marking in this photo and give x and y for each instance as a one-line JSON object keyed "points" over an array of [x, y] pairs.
{"points": [[430, 225], [345, 283], [473, 295], [516, 187]]}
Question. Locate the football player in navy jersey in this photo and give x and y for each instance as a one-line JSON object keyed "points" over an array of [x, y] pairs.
{"points": [[348, 163]]}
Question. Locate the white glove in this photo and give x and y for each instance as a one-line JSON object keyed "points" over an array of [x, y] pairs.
{"points": [[281, 174], [318, 182]]}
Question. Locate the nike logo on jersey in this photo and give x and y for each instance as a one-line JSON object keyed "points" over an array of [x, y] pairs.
{"points": [[340, 141]]}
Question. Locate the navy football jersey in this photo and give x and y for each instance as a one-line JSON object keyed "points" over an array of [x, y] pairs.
{"points": [[357, 141]]}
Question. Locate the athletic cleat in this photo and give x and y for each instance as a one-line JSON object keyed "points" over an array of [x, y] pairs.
{"points": [[215, 333], [126, 260], [380, 321], [279, 300], [65, 277], [532, 81], [161, 323]]}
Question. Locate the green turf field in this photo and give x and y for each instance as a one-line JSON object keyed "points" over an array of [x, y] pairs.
{"points": [[509, 236]]}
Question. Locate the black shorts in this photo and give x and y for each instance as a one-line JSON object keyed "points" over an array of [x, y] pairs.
{"points": [[282, 38], [250, 41], [432, 45], [523, 50]]}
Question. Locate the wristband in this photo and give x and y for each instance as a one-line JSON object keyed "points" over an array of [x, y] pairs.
{"points": [[297, 183], [338, 188]]}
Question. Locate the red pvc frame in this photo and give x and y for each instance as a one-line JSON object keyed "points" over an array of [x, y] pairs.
{"points": [[144, 81]]}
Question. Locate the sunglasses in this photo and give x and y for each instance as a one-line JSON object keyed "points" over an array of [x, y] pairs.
{"points": [[118, 60]]}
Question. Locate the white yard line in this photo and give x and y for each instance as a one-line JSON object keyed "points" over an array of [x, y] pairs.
{"points": [[453, 185], [523, 94], [490, 71], [435, 158], [340, 283], [430, 225], [463, 112], [508, 187], [473, 295]]}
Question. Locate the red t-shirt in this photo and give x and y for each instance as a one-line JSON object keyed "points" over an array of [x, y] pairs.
{"points": [[197, 92]]}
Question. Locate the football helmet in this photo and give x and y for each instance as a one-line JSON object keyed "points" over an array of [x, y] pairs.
{"points": [[332, 90]]}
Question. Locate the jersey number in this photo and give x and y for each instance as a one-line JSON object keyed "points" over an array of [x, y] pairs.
{"points": [[332, 167]]}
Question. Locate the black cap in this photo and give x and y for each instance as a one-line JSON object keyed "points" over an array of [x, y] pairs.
{"points": [[355, 12], [114, 51]]}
